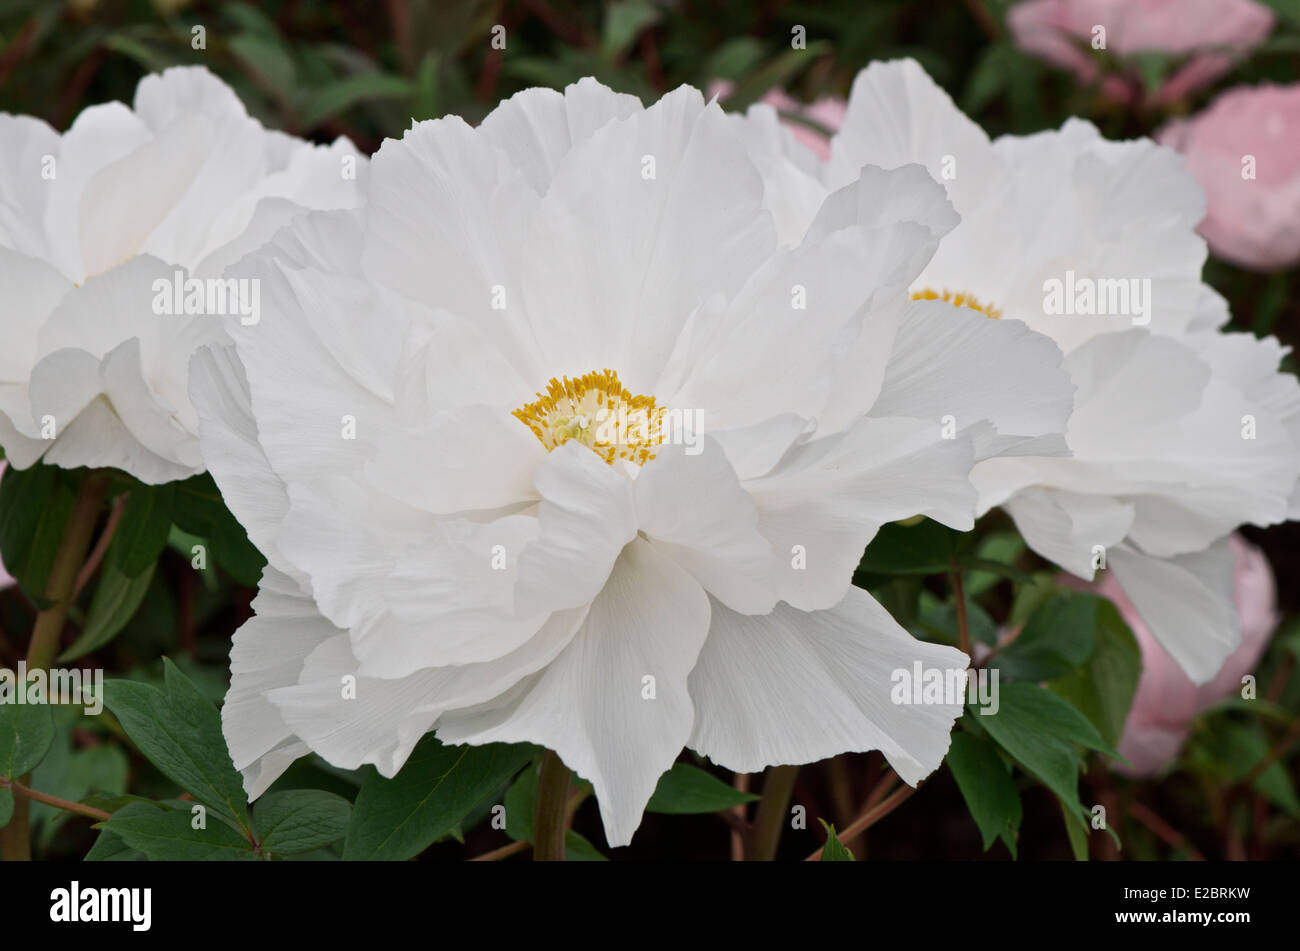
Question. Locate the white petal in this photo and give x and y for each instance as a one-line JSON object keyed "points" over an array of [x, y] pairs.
{"points": [[794, 687], [538, 127], [589, 704], [695, 511], [228, 438], [471, 457], [826, 499], [619, 259], [586, 517], [1067, 526], [1186, 603], [954, 361], [386, 718], [266, 653]]}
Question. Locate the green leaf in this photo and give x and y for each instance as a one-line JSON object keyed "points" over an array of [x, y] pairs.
{"points": [[396, 819], [116, 598], [1288, 10], [1076, 830], [989, 77], [141, 534], [1057, 638], [165, 834], [1104, 688], [992, 561], [987, 786], [687, 789], [199, 510], [341, 95], [26, 732], [34, 506], [268, 60], [733, 58], [288, 823], [624, 21], [109, 847], [521, 803], [180, 733], [834, 850], [777, 72], [1041, 731], [925, 548], [579, 849], [1229, 751], [71, 773], [939, 618]]}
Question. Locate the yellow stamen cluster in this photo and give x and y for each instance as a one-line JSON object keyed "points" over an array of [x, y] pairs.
{"points": [[958, 300], [597, 411]]}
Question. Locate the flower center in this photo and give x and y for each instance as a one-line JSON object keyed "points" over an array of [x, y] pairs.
{"points": [[598, 412], [958, 300]]}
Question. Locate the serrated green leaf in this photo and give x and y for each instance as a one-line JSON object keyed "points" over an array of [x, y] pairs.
{"points": [[687, 789], [299, 820], [165, 834], [180, 733], [396, 819]]}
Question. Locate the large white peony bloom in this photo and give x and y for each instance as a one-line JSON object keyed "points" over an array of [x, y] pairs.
{"points": [[93, 223], [1180, 432], [416, 435]]}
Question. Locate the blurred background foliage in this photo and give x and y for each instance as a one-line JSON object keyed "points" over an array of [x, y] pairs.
{"points": [[367, 69]]}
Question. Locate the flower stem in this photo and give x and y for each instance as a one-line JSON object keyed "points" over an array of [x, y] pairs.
{"points": [[23, 792], [778, 788], [963, 624], [44, 645], [549, 822], [60, 589], [868, 818]]}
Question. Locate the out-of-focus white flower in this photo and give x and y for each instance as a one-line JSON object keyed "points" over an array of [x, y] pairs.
{"points": [[422, 435], [94, 222], [1180, 432]]}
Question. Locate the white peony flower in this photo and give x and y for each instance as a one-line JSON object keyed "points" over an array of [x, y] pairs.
{"points": [[418, 436], [94, 223], [1180, 432]]}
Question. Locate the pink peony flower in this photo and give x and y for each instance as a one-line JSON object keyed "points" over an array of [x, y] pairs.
{"points": [[1245, 151], [1167, 701], [1208, 35]]}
